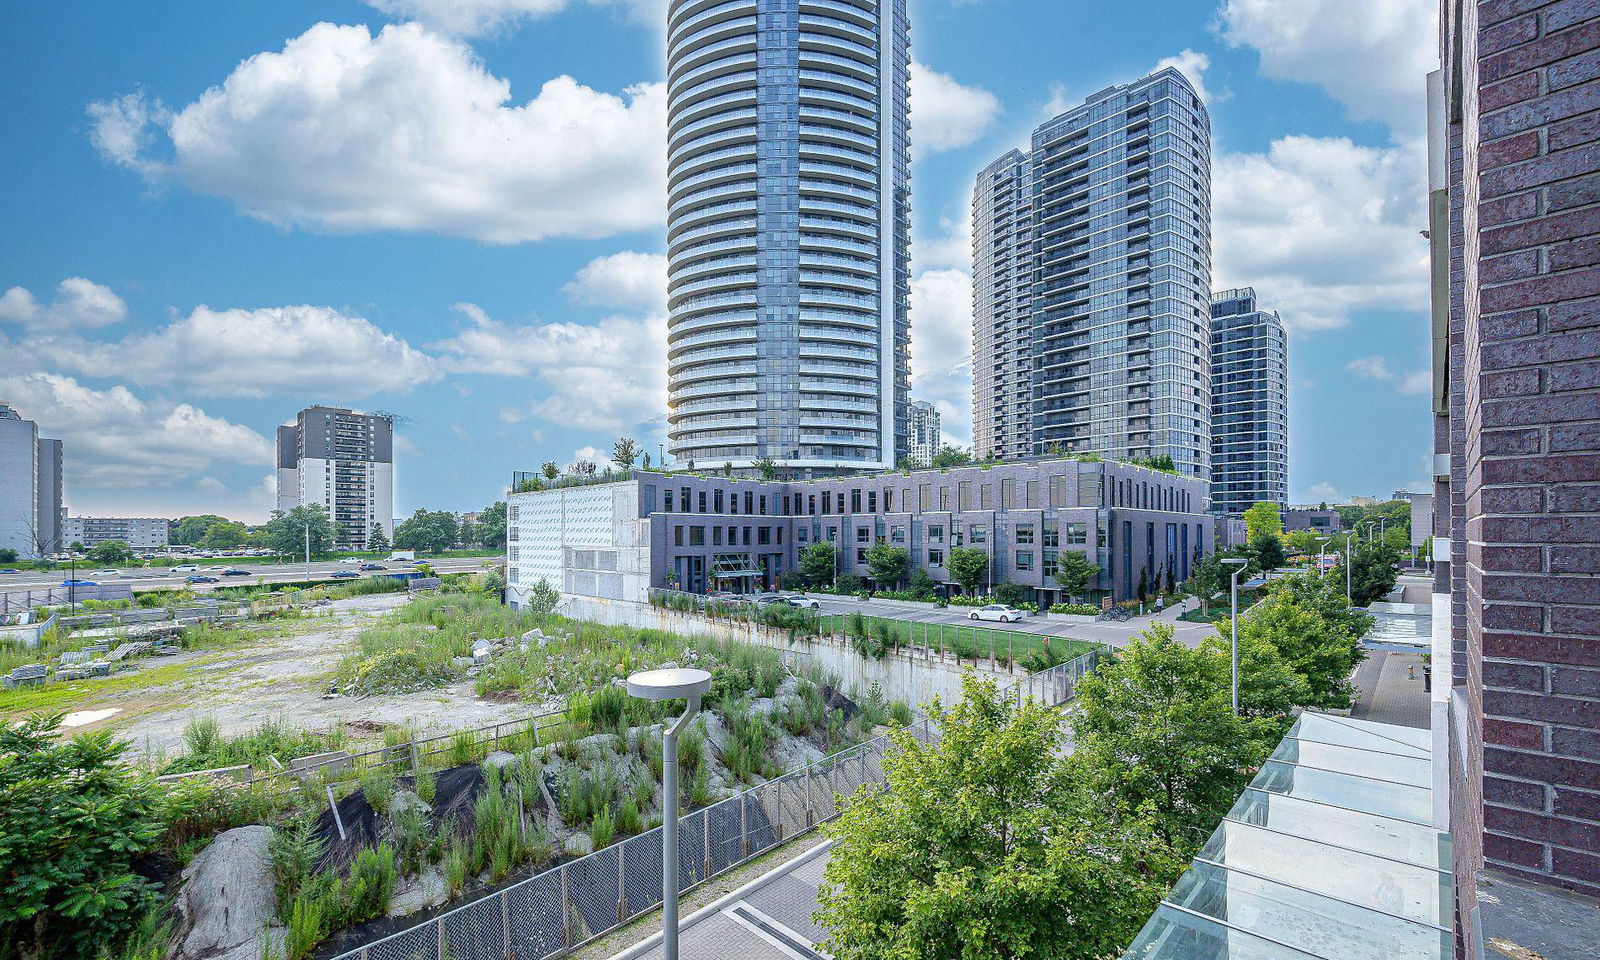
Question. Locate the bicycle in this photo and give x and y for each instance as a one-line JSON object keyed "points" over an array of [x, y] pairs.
{"points": [[1115, 613]]}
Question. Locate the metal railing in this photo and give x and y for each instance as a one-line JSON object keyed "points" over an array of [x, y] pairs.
{"points": [[567, 906]]}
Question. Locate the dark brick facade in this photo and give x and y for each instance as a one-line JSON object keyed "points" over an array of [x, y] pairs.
{"points": [[1520, 417]]}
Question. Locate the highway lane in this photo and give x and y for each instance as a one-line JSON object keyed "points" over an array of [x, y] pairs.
{"points": [[145, 578]]}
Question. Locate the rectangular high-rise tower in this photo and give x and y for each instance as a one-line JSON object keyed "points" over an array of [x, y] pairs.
{"points": [[30, 487], [343, 460], [1249, 404], [1117, 275], [1002, 309], [925, 427], [788, 226]]}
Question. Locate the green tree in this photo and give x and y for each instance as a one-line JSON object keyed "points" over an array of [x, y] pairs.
{"points": [[1155, 731], [1074, 571], [224, 535], [1267, 550], [1208, 578], [377, 541], [1263, 517], [886, 564], [1315, 632], [286, 533], [1163, 463], [818, 563], [550, 470], [969, 566], [433, 531], [1142, 591], [767, 467], [543, 598], [1373, 571], [1269, 686], [625, 453], [8, 555], [983, 848], [110, 552], [1301, 541], [948, 456], [73, 819], [1007, 592], [189, 531], [921, 584], [492, 525]]}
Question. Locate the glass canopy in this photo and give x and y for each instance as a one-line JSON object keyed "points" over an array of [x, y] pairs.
{"points": [[1328, 854]]}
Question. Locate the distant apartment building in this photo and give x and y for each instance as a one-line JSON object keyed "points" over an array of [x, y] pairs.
{"points": [[1514, 202], [924, 433], [1092, 277], [140, 533], [1002, 309], [1249, 404], [1312, 518], [618, 539], [344, 460], [30, 487]]}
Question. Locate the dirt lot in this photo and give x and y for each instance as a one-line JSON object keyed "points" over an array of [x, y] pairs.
{"points": [[283, 677]]}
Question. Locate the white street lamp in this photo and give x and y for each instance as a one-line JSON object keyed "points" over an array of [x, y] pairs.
{"points": [[1239, 563], [676, 684]]}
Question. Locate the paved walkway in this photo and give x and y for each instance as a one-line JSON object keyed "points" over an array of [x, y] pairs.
{"points": [[1391, 690]]}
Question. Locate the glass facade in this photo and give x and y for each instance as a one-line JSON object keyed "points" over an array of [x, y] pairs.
{"points": [[1114, 333], [1250, 404], [788, 233]]}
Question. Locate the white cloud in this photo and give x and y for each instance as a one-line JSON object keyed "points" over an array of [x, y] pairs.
{"points": [[1193, 65], [941, 347], [114, 438], [591, 454], [951, 247], [78, 303], [250, 353], [623, 280], [946, 114], [1370, 55], [1377, 368], [1321, 492], [477, 17], [344, 131], [1322, 227], [603, 376]]}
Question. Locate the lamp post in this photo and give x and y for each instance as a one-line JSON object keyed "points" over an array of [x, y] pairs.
{"points": [[673, 684], [1239, 564], [1347, 571]]}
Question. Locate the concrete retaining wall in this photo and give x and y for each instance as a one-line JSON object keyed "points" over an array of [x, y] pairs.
{"points": [[908, 674]]}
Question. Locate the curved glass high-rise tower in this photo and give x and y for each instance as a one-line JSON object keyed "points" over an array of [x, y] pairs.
{"points": [[788, 224]]}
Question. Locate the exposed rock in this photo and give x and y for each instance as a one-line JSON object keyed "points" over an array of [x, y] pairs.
{"points": [[227, 901], [716, 731], [792, 753], [406, 799], [578, 845], [426, 889], [499, 758]]}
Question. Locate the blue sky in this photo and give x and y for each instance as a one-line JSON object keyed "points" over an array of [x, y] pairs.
{"points": [[452, 210]]}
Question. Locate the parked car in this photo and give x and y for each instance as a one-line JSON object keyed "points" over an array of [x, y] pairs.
{"points": [[79, 583], [802, 601], [201, 578], [996, 611], [235, 572], [372, 566], [346, 575], [10, 570], [185, 568], [770, 598]]}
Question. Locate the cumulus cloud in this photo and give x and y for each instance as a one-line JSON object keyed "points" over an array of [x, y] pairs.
{"points": [[345, 131], [946, 114], [78, 303], [1377, 368], [941, 347], [250, 353], [603, 376], [1322, 227], [951, 246], [1193, 65], [114, 437], [477, 17], [1370, 55], [623, 280]]}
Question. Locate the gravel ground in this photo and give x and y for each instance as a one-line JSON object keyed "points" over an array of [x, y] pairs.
{"points": [[284, 678]]}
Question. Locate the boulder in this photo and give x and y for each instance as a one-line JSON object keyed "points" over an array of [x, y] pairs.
{"points": [[405, 800], [499, 758], [578, 845], [226, 905], [427, 889], [792, 753]]}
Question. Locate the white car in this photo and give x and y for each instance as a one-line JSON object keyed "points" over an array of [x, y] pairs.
{"points": [[352, 560], [185, 568], [996, 611], [106, 573], [801, 600]]}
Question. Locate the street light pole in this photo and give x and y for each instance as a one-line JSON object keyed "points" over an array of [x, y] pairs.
{"points": [[308, 551], [1239, 567], [679, 684], [1347, 598]]}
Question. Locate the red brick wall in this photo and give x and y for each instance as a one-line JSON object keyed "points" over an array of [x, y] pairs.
{"points": [[1531, 421]]}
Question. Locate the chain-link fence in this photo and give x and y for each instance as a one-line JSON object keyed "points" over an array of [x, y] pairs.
{"points": [[576, 902]]}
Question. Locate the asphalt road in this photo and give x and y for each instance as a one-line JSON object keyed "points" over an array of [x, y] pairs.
{"points": [[1114, 633], [146, 578]]}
